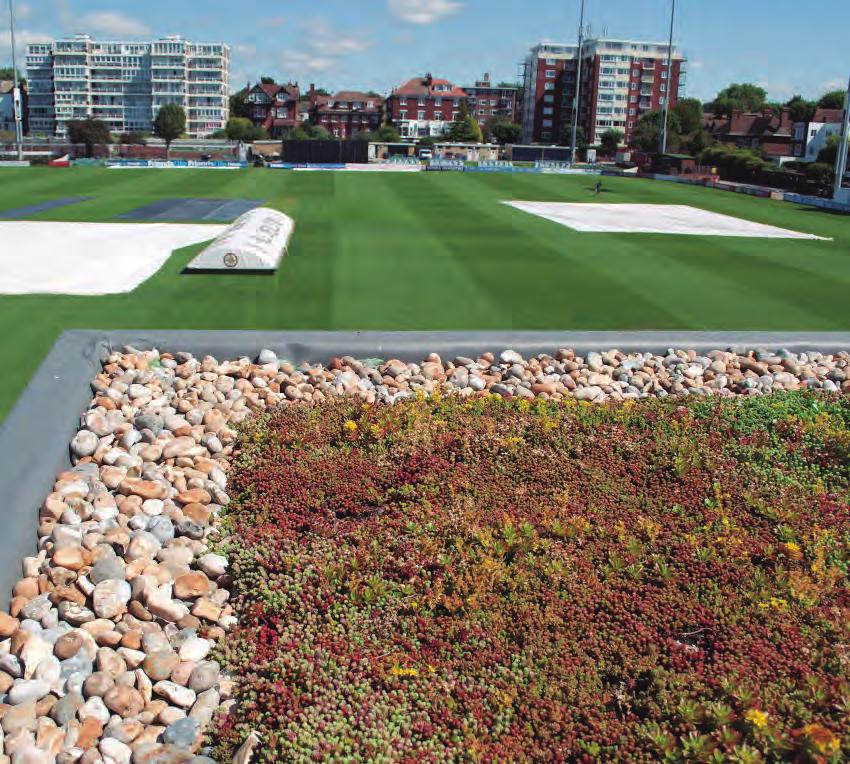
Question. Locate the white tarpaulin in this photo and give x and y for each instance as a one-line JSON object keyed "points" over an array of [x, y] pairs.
{"points": [[255, 241], [88, 258], [653, 218]]}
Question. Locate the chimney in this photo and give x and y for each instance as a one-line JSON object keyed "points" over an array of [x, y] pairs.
{"points": [[429, 79], [487, 77], [312, 97]]}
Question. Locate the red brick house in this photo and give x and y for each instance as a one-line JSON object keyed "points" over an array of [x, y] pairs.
{"points": [[771, 132], [487, 100], [349, 112], [274, 107], [425, 106]]}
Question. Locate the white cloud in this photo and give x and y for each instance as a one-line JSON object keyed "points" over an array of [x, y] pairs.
{"points": [[423, 11], [323, 48], [23, 37], [112, 24]]}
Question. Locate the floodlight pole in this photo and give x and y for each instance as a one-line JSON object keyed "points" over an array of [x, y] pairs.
{"points": [[16, 93], [841, 158], [662, 142], [578, 85]]}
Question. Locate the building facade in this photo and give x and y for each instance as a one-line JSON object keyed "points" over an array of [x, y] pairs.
{"points": [[7, 106], [274, 107], [349, 112], [488, 101], [425, 106], [620, 81], [810, 138], [126, 83]]}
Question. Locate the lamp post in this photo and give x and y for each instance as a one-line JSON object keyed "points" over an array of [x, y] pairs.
{"points": [[662, 141], [16, 93], [841, 157], [578, 85]]}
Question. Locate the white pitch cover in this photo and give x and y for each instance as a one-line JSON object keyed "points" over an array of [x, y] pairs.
{"points": [[255, 241]]}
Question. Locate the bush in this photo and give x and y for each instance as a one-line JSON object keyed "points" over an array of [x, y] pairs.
{"points": [[480, 580]]}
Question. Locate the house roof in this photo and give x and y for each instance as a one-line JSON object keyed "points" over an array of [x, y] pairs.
{"points": [[828, 115], [426, 86], [275, 91], [757, 124], [350, 96]]}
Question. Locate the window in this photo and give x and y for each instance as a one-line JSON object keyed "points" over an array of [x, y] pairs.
{"points": [[456, 102], [438, 117], [661, 100], [550, 74], [663, 87], [402, 101], [548, 110], [631, 124], [402, 114], [421, 101], [420, 115], [438, 101], [633, 86], [664, 74], [545, 136], [550, 62], [549, 98], [633, 99], [547, 123], [632, 112], [550, 86]]}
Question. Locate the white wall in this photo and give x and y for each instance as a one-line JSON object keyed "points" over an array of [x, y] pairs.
{"points": [[7, 112], [816, 137]]}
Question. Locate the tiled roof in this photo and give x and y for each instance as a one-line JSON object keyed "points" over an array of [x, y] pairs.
{"points": [[828, 115], [761, 124], [423, 86]]}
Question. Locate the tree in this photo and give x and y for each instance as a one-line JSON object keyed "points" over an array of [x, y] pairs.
{"points": [[239, 106], [610, 141], [582, 143], [304, 132], [388, 134], [320, 133], [744, 97], [829, 153], [242, 129], [504, 132], [267, 80], [465, 129], [820, 173], [8, 73], [170, 123], [133, 138], [832, 100], [647, 132], [90, 132], [800, 109], [689, 112]]}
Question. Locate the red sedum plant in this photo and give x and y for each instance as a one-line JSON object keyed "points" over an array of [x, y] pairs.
{"points": [[489, 581]]}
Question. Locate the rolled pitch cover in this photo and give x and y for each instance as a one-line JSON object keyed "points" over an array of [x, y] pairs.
{"points": [[255, 241]]}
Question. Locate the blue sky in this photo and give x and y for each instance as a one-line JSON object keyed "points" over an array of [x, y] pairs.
{"points": [[786, 45]]}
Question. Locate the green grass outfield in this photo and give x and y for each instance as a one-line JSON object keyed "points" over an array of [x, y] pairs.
{"points": [[438, 251]]}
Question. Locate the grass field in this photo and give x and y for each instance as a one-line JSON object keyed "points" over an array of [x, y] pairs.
{"points": [[439, 251]]}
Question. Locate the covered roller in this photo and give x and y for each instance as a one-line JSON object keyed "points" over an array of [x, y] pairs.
{"points": [[256, 241]]}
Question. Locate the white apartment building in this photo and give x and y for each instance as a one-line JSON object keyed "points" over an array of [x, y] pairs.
{"points": [[125, 83]]}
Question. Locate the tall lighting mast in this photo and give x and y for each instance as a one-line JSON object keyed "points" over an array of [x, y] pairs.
{"points": [[841, 158], [16, 93], [578, 85], [662, 141]]}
